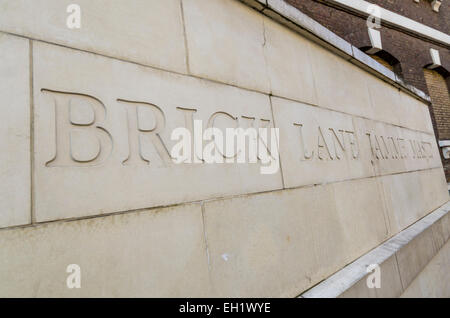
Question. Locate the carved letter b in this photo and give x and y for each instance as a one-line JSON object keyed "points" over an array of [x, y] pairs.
{"points": [[80, 140]]}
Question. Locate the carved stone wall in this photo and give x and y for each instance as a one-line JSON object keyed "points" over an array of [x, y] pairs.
{"points": [[87, 173], [412, 51]]}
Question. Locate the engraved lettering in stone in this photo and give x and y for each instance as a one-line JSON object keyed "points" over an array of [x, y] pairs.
{"points": [[261, 140], [196, 131], [403, 152], [395, 152], [144, 121], [81, 140], [307, 155], [387, 152], [375, 146], [223, 119], [353, 143], [322, 145], [428, 153], [419, 149], [413, 148], [378, 148], [338, 142], [339, 137], [396, 148]]}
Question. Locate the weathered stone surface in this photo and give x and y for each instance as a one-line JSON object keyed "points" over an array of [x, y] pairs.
{"points": [[225, 40], [340, 85], [434, 280], [258, 249], [289, 63], [307, 146], [149, 32], [359, 157], [15, 190], [145, 254], [385, 100], [415, 256], [121, 161], [411, 196], [390, 283], [351, 281], [319, 146]]}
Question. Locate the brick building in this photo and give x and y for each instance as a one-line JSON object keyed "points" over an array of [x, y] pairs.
{"points": [[411, 39]]}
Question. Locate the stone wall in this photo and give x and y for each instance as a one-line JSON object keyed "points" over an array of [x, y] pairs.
{"points": [[411, 51], [87, 176]]}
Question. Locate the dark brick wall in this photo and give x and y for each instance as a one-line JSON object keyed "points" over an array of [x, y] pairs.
{"points": [[412, 53], [441, 102], [420, 12], [441, 108]]}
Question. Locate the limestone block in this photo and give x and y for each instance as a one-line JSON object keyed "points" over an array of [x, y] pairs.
{"points": [[393, 106], [441, 231], [345, 87], [289, 63], [390, 283], [411, 196], [434, 192], [434, 279], [385, 100], [416, 244], [380, 146], [319, 145], [225, 40], [363, 216], [153, 253], [340, 85], [122, 160], [405, 199], [258, 249], [414, 114], [15, 190], [392, 149], [149, 32], [413, 257]]}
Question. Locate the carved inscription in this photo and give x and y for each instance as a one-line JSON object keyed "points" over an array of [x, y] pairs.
{"points": [[81, 138], [391, 147], [145, 122], [332, 144]]}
